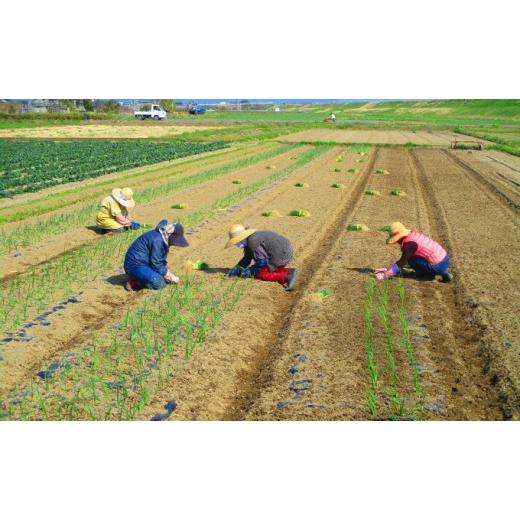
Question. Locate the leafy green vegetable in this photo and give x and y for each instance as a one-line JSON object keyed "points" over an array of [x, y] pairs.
{"points": [[32, 165]]}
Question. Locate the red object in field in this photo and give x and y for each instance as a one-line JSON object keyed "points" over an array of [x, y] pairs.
{"points": [[279, 275]]}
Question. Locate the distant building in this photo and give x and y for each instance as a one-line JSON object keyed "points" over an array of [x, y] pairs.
{"points": [[44, 105], [133, 104]]}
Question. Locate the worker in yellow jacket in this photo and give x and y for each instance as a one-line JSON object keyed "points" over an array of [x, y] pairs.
{"points": [[113, 215]]}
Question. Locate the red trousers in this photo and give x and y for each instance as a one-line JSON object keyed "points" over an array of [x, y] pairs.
{"points": [[278, 275]]}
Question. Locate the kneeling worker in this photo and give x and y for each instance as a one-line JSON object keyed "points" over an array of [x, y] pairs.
{"points": [[146, 261], [270, 251], [426, 257], [113, 216]]}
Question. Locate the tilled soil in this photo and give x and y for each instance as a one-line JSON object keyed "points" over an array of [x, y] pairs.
{"points": [[482, 229], [329, 335], [436, 138], [496, 170], [314, 364], [222, 375], [288, 356]]}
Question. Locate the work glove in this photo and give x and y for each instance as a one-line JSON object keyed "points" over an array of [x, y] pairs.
{"points": [[171, 278], [250, 272], [390, 272], [234, 272], [134, 225]]}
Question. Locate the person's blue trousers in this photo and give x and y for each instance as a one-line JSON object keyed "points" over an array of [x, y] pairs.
{"points": [[147, 277], [423, 267]]}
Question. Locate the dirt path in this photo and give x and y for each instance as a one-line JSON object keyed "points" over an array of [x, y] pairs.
{"points": [[103, 303], [55, 246]]}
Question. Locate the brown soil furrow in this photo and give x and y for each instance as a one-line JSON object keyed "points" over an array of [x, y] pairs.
{"points": [[456, 357], [485, 263], [55, 246], [73, 326], [505, 160], [223, 376], [485, 181], [507, 175]]}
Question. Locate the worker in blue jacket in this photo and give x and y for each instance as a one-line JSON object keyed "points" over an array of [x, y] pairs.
{"points": [[146, 261]]}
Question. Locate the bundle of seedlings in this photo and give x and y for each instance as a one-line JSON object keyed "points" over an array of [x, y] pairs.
{"points": [[199, 265], [271, 213], [357, 227], [321, 295], [299, 213]]}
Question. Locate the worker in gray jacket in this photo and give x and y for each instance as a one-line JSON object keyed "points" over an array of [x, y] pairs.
{"points": [[270, 251]]}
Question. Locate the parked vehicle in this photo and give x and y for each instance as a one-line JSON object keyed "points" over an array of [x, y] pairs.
{"points": [[196, 109], [156, 112]]}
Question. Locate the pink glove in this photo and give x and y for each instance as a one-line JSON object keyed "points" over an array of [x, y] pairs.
{"points": [[381, 273], [171, 278]]}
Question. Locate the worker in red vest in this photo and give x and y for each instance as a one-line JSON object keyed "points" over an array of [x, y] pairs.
{"points": [[426, 257]]}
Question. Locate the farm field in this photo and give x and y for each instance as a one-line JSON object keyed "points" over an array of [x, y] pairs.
{"points": [[419, 137], [75, 345], [103, 131]]}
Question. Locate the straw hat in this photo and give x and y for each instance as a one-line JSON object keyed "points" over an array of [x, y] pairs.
{"points": [[237, 233], [397, 231], [124, 197]]}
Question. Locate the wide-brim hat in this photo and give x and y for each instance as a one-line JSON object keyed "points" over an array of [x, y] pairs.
{"points": [[125, 197], [397, 231], [175, 232], [177, 237], [237, 233]]}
